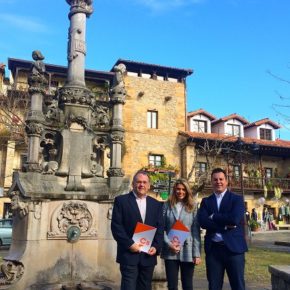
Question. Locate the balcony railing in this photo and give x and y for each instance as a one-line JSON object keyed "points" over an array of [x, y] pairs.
{"points": [[257, 183], [260, 182]]}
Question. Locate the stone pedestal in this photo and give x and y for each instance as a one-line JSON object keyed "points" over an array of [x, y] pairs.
{"points": [[280, 277], [46, 257]]}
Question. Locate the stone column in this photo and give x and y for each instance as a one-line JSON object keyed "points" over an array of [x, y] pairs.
{"points": [[80, 9], [37, 90], [118, 94]]}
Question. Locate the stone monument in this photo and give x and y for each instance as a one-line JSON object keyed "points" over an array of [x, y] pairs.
{"points": [[61, 203]]}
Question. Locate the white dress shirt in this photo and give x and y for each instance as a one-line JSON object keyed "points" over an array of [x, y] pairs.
{"points": [[219, 196], [141, 202]]}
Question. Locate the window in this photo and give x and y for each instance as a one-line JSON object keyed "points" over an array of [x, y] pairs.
{"points": [[155, 160], [236, 170], [265, 134], [201, 168], [268, 172], [152, 119], [234, 130], [199, 126]]}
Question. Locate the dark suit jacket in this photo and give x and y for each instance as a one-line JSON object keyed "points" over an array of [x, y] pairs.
{"points": [[125, 216], [231, 212]]}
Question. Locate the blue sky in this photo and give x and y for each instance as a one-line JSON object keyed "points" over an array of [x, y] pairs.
{"points": [[230, 44]]}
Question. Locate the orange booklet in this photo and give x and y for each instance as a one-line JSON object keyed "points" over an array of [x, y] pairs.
{"points": [[144, 235], [178, 233]]}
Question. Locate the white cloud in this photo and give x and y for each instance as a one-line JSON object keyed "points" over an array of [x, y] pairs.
{"points": [[158, 5], [22, 23]]}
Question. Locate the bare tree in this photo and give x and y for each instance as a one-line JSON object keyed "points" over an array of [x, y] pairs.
{"points": [[13, 109], [211, 151], [282, 108]]}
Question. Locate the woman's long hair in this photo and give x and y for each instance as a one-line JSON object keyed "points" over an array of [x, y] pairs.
{"points": [[188, 199]]}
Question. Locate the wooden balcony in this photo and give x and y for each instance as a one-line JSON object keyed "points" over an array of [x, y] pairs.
{"points": [[256, 184]]}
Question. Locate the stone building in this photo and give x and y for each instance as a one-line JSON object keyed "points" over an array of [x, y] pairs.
{"points": [[160, 134], [257, 163], [153, 114]]}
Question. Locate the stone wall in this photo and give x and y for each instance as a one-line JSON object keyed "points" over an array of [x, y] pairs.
{"points": [[168, 99]]}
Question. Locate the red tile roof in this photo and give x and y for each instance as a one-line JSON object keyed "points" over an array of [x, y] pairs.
{"points": [[263, 121], [232, 116], [227, 138], [201, 111]]}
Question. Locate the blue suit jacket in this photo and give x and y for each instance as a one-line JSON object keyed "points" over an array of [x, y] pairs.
{"points": [[231, 212], [125, 216]]}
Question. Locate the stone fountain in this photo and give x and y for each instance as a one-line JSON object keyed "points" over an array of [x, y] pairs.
{"points": [[62, 202]]}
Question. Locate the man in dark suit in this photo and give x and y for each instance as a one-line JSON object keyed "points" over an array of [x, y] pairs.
{"points": [[222, 215], [136, 267]]}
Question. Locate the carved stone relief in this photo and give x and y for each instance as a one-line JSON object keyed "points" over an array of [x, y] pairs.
{"points": [[101, 116], [21, 207], [118, 172], [33, 128], [72, 213], [76, 95], [11, 272], [18, 205], [49, 157]]}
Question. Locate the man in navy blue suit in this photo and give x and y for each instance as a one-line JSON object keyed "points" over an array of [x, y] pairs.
{"points": [[222, 215], [136, 267]]}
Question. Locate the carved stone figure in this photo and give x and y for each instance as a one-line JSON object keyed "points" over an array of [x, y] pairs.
{"points": [[17, 205], [118, 90], [11, 272], [102, 116], [53, 112], [37, 77]]}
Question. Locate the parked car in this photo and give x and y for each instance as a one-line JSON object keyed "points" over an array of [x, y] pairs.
{"points": [[5, 232]]}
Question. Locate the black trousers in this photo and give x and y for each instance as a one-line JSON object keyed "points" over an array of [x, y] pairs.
{"points": [[186, 270], [218, 260], [136, 277]]}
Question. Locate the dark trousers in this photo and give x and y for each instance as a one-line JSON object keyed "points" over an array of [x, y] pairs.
{"points": [[218, 260], [136, 277], [186, 271]]}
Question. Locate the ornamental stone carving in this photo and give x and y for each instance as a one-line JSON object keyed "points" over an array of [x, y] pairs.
{"points": [[72, 213], [76, 95], [76, 119], [52, 112], [10, 272], [117, 172], [80, 6], [49, 145], [18, 205], [117, 137], [36, 79], [33, 128], [118, 91], [102, 116]]}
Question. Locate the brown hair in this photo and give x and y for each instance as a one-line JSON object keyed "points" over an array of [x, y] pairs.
{"points": [[219, 170], [188, 199]]}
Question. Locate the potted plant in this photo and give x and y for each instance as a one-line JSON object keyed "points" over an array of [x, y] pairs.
{"points": [[254, 225]]}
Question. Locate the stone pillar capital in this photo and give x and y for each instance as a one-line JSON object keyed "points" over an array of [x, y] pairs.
{"points": [[80, 6]]}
